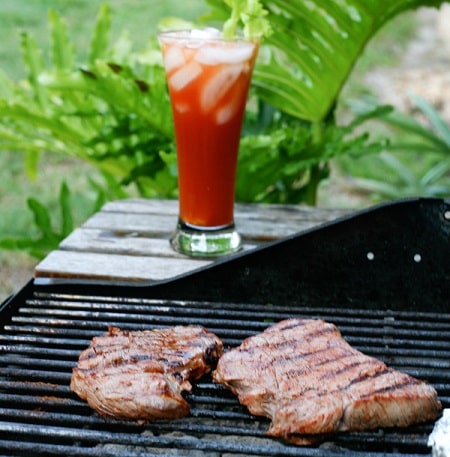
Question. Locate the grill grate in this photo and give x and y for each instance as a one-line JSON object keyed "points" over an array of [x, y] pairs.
{"points": [[44, 332]]}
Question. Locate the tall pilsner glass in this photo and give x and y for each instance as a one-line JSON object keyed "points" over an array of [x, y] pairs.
{"points": [[208, 79]]}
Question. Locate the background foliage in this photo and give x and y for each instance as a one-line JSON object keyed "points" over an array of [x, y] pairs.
{"points": [[102, 99]]}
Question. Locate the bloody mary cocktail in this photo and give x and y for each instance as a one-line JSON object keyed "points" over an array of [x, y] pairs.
{"points": [[208, 79]]}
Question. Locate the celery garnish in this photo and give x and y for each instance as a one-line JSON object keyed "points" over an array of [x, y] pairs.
{"points": [[251, 15]]}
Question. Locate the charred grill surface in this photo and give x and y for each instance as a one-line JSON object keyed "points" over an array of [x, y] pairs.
{"points": [[43, 333]]}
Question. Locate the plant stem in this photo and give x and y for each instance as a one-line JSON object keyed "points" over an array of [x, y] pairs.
{"points": [[314, 171], [311, 190]]}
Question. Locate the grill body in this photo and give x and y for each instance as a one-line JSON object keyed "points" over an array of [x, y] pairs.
{"points": [[45, 332], [382, 277]]}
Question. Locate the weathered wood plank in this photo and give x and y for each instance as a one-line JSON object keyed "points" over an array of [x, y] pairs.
{"points": [[127, 224], [153, 225], [101, 241], [128, 239], [112, 267]]}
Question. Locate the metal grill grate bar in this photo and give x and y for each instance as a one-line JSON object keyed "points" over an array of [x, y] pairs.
{"points": [[41, 343], [89, 437]]}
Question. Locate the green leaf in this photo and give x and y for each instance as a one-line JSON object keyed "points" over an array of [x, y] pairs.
{"points": [[100, 38], [41, 217], [28, 114], [48, 239], [66, 210], [436, 172], [378, 112], [428, 139], [7, 89], [31, 163], [419, 136], [61, 46], [435, 119], [385, 189], [402, 171], [32, 57]]}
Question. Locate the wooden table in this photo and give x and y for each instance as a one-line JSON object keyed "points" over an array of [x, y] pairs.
{"points": [[127, 241]]}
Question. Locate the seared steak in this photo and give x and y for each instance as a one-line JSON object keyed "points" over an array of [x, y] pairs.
{"points": [[141, 374], [309, 381]]}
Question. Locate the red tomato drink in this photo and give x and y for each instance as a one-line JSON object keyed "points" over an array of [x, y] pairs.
{"points": [[208, 79]]}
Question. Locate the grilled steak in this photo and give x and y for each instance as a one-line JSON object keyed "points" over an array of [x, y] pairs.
{"points": [[141, 374], [310, 382]]}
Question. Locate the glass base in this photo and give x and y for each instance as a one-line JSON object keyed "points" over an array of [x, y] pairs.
{"points": [[205, 242]]}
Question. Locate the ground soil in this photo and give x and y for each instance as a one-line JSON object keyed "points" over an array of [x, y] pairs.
{"points": [[424, 70], [15, 271]]}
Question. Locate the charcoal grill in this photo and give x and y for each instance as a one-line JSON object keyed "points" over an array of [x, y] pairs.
{"points": [[403, 248]]}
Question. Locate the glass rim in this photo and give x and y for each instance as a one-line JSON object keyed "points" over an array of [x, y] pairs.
{"points": [[185, 34]]}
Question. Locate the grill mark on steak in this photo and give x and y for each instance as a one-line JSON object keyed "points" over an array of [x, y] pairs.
{"points": [[299, 371], [359, 375], [326, 352], [142, 375], [278, 349], [310, 382], [310, 334], [384, 390]]}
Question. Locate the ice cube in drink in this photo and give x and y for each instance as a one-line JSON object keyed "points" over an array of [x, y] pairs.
{"points": [[185, 75], [218, 85]]}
